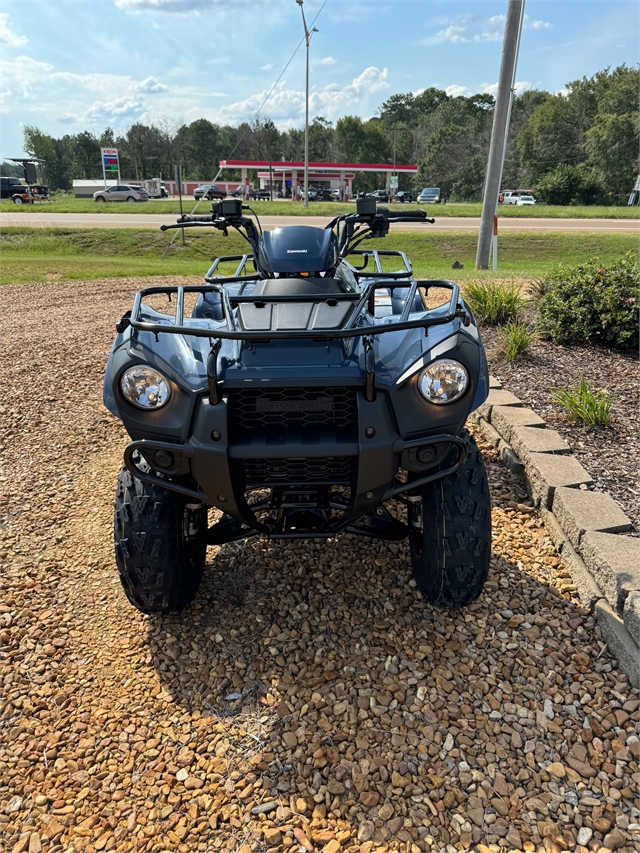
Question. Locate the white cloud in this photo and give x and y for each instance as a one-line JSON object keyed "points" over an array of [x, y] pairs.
{"points": [[455, 91], [491, 30], [286, 106], [151, 86], [7, 36], [267, 67], [472, 28], [67, 118], [536, 25], [492, 88], [455, 30], [119, 110], [21, 76], [180, 7], [328, 60]]}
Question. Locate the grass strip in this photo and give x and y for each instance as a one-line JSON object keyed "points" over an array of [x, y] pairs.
{"points": [[328, 209], [41, 254]]}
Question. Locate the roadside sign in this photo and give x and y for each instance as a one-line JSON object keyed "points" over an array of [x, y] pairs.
{"points": [[110, 163], [394, 182]]}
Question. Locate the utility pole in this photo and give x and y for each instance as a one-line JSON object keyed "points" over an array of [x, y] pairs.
{"points": [[500, 129], [307, 34]]}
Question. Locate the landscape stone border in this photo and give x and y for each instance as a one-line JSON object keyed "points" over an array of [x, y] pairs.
{"points": [[586, 527]]}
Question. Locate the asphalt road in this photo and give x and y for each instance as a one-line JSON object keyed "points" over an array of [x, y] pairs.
{"points": [[124, 220]]}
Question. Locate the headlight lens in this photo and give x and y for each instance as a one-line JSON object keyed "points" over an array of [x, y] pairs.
{"points": [[145, 387], [443, 381]]}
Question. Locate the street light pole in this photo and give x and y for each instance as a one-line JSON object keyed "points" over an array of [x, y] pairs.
{"points": [[307, 36]]}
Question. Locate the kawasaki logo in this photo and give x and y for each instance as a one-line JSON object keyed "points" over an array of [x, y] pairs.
{"points": [[296, 251], [323, 404]]}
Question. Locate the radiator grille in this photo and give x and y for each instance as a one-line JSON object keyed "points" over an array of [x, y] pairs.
{"points": [[333, 470], [297, 408]]}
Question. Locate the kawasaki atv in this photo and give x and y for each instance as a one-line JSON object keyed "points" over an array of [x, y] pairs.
{"points": [[306, 394]]}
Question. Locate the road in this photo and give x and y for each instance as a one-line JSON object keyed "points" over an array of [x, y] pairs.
{"points": [[124, 220]]}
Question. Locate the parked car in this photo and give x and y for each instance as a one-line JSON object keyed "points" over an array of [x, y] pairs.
{"points": [[525, 199], [379, 195], [403, 196], [430, 195], [261, 195], [322, 194], [163, 190], [121, 192]]}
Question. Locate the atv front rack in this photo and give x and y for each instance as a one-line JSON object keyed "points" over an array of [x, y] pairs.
{"points": [[356, 326]]}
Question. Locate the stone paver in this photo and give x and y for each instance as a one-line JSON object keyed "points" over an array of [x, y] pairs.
{"points": [[497, 397], [586, 585], [614, 561], [526, 440], [505, 418], [631, 615], [578, 511], [620, 642], [547, 472]]}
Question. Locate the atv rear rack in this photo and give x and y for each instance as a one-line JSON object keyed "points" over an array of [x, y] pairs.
{"points": [[232, 331]]}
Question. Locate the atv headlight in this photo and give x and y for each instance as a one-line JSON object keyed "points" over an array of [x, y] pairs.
{"points": [[145, 387], [443, 381]]}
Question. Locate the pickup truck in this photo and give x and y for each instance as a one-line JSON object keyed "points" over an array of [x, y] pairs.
{"points": [[508, 197], [512, 196], [19, 193]]}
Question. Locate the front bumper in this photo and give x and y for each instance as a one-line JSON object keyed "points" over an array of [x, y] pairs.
{"points": [[220, 467]]}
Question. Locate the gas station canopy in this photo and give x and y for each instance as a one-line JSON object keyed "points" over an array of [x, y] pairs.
{"points": [[292, 172]]}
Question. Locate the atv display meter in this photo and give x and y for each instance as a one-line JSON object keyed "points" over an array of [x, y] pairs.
{"points": [[228, 208], [366, 206]]}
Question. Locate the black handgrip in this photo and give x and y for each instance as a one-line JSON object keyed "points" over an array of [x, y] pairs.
{"points": [[186, 218], [411, 216]]}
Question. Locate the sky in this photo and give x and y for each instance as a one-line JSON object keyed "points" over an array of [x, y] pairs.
{"points": [[73, 65]]}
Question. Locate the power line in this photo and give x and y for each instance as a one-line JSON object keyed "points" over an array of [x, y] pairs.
{"points": [[259, 110]]}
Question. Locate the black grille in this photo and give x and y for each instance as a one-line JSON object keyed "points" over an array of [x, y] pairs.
{"points": [[334, 470], [297, 408]]}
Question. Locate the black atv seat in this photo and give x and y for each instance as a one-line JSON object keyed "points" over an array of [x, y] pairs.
{"points": [[297, 287]]}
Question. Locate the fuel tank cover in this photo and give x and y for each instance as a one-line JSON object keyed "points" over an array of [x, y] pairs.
{"points": [[298, 248]]}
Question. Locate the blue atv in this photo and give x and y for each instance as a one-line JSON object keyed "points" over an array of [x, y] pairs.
{"points": [[311, 392]]}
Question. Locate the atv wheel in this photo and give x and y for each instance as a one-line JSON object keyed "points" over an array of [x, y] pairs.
{"points": [[450, 538], [160, 545]]}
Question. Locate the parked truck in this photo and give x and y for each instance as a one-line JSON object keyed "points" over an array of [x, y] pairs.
{"points": [[155, 188]]}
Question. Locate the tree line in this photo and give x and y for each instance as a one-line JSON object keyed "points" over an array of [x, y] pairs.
{"points": [[575, 147]]}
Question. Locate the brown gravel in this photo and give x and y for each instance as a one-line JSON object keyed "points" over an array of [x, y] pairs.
{"points": [[610, 454], [309, 699]]}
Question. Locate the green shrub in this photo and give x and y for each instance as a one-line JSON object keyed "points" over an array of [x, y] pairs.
{"points": [[585, 403], [516, 340], [569, 185], [592, 304], [494, 302]]}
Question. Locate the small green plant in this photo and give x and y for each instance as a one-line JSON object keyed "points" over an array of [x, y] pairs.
{"points": [[592, 303], [495, 302], [585, 403], [516, 340]]}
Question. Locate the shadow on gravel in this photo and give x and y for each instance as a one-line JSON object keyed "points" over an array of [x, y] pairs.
{"points": [[301, 618]]}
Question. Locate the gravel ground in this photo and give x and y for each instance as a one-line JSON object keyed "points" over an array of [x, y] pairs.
{"points": [[309, 699], [610, 454]]}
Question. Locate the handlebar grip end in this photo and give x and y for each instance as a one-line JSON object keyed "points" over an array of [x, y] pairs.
{"points": [[163, 227]]}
